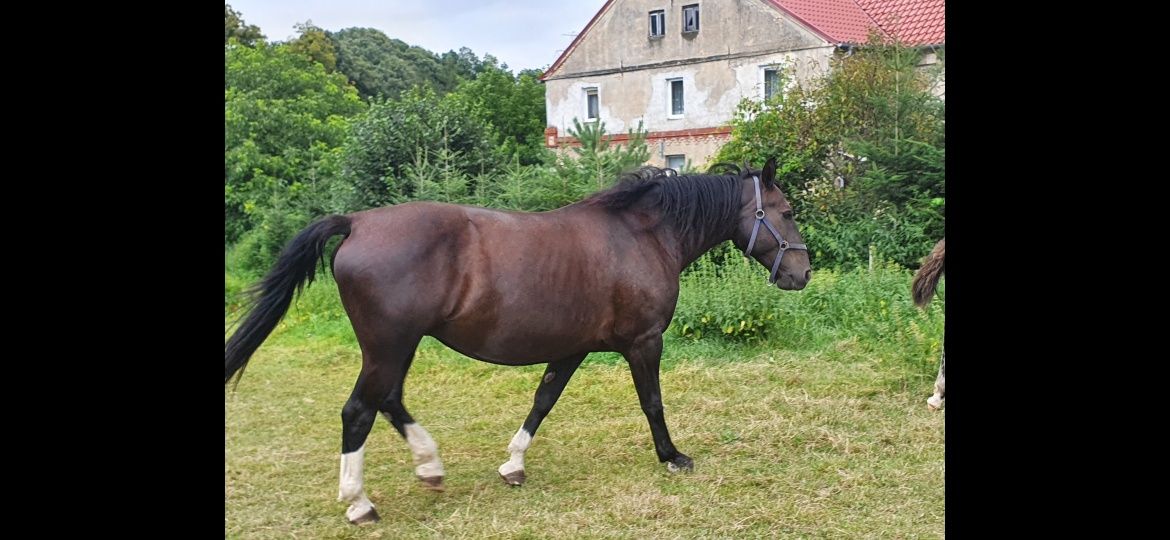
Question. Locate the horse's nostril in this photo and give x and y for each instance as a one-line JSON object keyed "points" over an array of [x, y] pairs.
{"points": [[808, 274]]}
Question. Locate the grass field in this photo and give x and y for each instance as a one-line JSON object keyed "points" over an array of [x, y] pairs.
{"points": [[809, 444]]}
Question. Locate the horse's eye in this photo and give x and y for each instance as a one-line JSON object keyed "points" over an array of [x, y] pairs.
{"points": [[788, 215]]}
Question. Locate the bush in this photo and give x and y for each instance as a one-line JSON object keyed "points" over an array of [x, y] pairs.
{"points": [[861, 154], [731, 301], [394, 134]]}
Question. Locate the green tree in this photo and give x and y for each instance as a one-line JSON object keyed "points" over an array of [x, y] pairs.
{"points": [[380, 66], [315, 43], [460, 66], [599, 160], [796, 135], [393, 132], [284, 122], [514, 105], [234, 27], [438, 177]]}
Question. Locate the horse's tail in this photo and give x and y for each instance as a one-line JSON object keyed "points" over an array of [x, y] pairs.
{"points": [[925, 281], [269, 299]]}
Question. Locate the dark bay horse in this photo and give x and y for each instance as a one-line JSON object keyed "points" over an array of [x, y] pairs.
{"points": [[922, 289], [517, 288]]}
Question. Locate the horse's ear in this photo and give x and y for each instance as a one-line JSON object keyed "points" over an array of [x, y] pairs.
{"points": [[770, 172]]}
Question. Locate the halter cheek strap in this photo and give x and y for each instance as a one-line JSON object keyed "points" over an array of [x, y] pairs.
{"points": [[760, 219]]}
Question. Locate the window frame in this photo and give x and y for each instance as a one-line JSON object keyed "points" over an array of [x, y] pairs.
{"points": [[685, 9], [778, 87], [661, 13], [670, 114], [592, 91]]}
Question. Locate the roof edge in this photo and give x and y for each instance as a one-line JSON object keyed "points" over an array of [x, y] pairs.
{"points": [[580, 35]]}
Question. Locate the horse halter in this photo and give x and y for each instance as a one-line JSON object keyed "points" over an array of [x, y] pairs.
{"points": [[784, 245]]}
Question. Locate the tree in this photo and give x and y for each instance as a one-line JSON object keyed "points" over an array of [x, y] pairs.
{"points": [[515, 108], [391, 135], [795, 134], [284, 122], [599, 162], [460, 66], [314, 43], [380, 66], [234, 27]]}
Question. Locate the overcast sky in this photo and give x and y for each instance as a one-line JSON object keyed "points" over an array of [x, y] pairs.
{"points": [[521, 33]]}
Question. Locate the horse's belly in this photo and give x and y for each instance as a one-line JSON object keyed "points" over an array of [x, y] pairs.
{"points": [[521, 341]]}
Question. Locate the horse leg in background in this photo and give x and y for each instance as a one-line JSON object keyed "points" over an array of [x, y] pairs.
{"points": [[644, 357], [936, 401], [922, 289], [382, 374], [556, 376]]}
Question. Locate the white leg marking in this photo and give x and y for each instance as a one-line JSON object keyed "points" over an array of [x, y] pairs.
{"points": [[517, 447], [351, 484], [936, 401], [426, 452]]}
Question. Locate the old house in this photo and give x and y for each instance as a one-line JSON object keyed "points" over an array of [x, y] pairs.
{"points": [[682, 67]]}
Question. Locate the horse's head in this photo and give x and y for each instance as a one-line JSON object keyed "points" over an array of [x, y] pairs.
{"points": [[767, 231]]}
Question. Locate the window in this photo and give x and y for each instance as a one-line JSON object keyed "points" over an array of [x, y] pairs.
{"points": [[591, 104], [676, 97], [690, 18], [771, 82], [676, 162], [657, 24]]}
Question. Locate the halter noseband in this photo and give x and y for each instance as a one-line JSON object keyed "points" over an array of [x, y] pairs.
{"points": [[784, 245]]}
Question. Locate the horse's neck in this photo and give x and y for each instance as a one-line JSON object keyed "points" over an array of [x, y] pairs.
{"points": [[678, 250], [684, 251]]}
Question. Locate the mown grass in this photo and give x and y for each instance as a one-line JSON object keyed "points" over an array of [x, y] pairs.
{"points": [[821, 435]]}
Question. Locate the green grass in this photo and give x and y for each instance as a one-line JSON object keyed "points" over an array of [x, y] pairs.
{"points": [[830, 439], [787, 445]]}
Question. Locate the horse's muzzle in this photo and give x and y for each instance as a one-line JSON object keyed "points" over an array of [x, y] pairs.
{"points": [[789, 283]]}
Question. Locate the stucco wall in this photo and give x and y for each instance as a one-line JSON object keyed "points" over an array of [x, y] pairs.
{"points": [[620, 37], [711, 91], [931, 64]]}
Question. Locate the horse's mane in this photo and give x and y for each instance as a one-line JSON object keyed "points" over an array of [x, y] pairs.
{"points": [[694, 204]]}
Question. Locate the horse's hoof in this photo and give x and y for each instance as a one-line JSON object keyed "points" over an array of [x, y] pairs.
{"points": [[934, 403], [368, 517], [680, 463], [514, 478], [433, 483]]}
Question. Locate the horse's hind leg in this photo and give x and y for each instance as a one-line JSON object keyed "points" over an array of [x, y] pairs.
{"points": [[936, 401], [357, 418], [556, 376], [382, 374], [428, 467]]}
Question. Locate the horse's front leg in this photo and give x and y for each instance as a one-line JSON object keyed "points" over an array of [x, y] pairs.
{"points": [[644, 357], [556, 376]]}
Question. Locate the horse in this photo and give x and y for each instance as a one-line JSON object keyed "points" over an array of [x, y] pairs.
{"points": [[922, 289], [518, 288]]}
